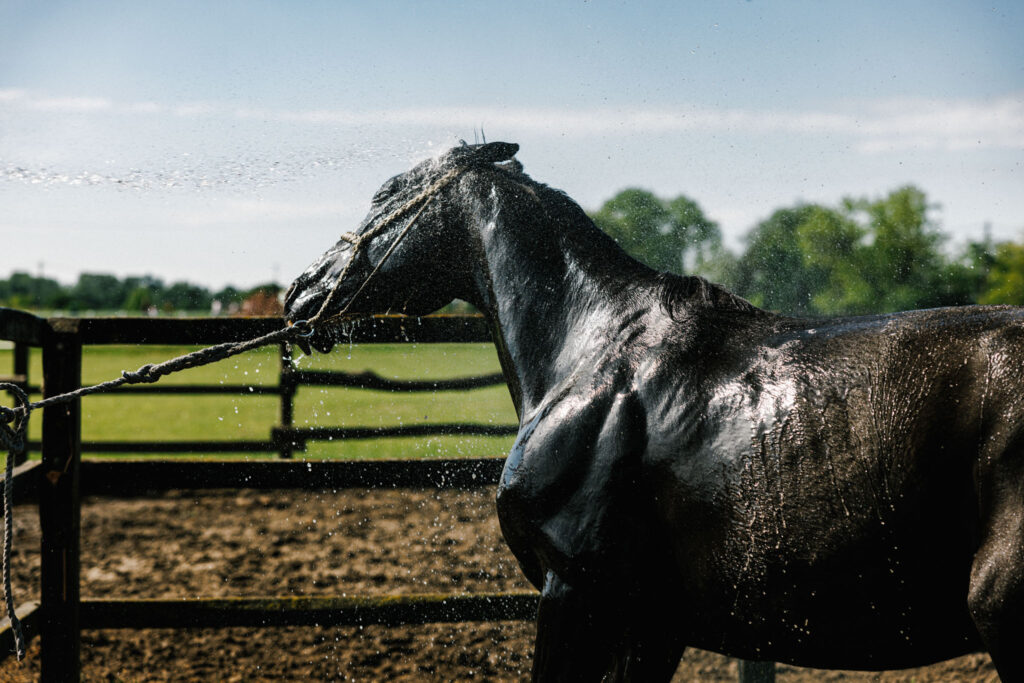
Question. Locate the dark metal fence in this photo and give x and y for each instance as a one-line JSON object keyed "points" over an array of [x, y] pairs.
{"points": [[59, 479]]}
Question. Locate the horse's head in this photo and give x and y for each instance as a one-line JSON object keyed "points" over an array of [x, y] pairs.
{"points": [[407, 256]]}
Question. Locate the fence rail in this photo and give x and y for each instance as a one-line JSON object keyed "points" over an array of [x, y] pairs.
{"points": [[390, 610], [27, 330], [115, 477], [57, 481], [371, 380]]}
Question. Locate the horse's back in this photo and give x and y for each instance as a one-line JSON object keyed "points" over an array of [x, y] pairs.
{"points": [[835, 467]]}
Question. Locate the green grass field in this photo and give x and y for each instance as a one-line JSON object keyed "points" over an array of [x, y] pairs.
{"points": [[233, 417]]}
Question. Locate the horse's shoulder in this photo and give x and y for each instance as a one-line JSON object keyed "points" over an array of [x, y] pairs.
{"points": [[574, 438], [568, 489], [572, 421]]}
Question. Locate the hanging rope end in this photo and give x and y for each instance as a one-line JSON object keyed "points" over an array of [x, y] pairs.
{"points": [[12, 440], [20, 649]]}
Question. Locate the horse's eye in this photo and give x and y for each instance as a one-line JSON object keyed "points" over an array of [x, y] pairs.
{"points": [[387, 189]]}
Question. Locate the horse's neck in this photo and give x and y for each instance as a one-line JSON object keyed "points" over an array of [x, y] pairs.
{"points": [[551, 287]]}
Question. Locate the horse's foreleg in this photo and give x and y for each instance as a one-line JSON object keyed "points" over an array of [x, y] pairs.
{"points": [[650, 652], [584, 636], [996, 601], [996, 597], [573, 635]]}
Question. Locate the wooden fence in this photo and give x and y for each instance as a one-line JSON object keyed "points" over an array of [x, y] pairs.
{"points": [[59, 479]]}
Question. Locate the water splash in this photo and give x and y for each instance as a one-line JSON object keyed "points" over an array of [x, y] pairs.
{"points": [[197, 172], [245, 174]]}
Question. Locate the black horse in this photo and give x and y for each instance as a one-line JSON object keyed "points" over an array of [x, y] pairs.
{"points": [[692, 470]]}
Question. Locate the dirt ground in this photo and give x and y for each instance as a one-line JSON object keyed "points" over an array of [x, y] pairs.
{"points": [[229, 543]]}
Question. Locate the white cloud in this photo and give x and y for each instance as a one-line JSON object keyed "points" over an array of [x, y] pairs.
{"points": [[144, 108], [948, 125], [196, 109], [70, 104], [871, 127], [945, 125]]}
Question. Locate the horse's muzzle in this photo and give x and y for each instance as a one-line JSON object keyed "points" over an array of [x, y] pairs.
{"points": [[302, 303]]}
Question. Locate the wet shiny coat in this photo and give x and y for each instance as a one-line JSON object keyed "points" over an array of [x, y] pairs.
{"points": [[692, 470]]}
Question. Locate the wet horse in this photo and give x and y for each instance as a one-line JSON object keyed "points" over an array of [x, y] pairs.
{"points": [[691, 470]]}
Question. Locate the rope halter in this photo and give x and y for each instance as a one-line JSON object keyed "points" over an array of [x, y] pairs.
{"points": [[359, 243]]}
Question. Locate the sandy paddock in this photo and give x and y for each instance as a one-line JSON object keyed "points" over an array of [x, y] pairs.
{"points": [[248, 543]]}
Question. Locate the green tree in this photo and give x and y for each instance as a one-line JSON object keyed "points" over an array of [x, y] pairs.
{"points": [[97, 291], [672, 235], [903, 262], [772, 272], [183, 296], [140, 299], [1004, 283], [141, 292], [964, 279], [23, 290], [229, 295], [865, 256], [832, 248]]}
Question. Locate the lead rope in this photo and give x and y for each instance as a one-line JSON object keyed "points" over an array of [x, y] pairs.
{"points": [[14, 426], [13, 438], [14, 421]]}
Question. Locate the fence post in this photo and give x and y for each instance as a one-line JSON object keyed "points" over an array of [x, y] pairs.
{"points": [[286, 385], [21, 379], [756, 672], [59, 513]]}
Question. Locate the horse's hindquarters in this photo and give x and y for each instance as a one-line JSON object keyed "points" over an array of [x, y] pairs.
{"points": [[848, 623], [835, 576]]}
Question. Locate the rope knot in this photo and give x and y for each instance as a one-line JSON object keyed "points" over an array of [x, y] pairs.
{"points": [[143, 375], [13, 420], [12, 440]]}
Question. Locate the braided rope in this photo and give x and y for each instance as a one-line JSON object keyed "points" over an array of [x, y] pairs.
{"points": [[150, 373], [14, 425], [358, 242], [13, 439], [14, 421]]}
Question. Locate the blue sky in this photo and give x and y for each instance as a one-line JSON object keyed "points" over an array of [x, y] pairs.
{"points": [[226, 142]]}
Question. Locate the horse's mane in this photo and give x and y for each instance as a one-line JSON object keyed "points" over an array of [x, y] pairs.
{"points": [[693, 290], [677, 291]]}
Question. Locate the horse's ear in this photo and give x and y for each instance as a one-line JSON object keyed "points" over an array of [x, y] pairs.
{"points": [[494, 152]]}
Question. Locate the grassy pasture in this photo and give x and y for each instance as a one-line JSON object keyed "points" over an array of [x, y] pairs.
{"points": [[231, 417]]}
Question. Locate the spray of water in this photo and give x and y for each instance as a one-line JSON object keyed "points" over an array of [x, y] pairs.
{"points": [[192, 172]]}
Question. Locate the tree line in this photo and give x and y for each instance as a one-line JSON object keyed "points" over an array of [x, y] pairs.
{"points": [[860, 256], [134, 294]]}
